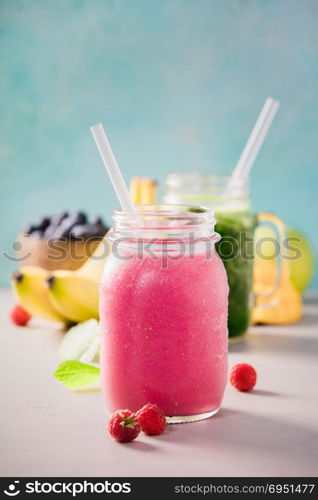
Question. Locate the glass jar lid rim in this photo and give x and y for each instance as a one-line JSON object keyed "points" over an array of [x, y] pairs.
{"points": [[216, 177], [175, 220], [169, 210]]}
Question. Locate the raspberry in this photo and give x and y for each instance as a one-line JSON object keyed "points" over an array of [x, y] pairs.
{"points": [[151, 419], [123, 426], [243, 377], [19, 316]]}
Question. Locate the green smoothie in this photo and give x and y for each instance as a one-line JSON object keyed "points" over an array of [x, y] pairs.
{"points": [[236, 250], [235, 223]]}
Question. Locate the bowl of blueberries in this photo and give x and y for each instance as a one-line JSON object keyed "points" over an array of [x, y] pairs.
{"points": [[62, 241]]}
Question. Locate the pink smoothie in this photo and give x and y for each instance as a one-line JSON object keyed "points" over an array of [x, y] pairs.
{"points": [[164, 333]]}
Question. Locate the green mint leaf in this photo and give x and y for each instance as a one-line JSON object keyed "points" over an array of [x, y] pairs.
{"points": [[75, 375]]}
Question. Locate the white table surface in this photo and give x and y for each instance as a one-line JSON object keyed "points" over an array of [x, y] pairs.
{"points": [[47, 430]]}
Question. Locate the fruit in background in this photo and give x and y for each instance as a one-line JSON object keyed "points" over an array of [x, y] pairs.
{"points": [[63, 241], [55, 222], [20, 316], [63, 230], [302, 268], [30, 290], [284, 305], [73, 296], [264, 245], [75, 293], [66, 300]]}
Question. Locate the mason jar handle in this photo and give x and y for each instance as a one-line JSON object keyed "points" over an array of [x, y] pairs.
{"points": [[279, 228]]}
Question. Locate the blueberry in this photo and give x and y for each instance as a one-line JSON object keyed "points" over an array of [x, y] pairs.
{"points": [[98, 221], [57, 219], [38, 233], [83, 231], [74, 218], [67, 224], [79, 217], [49, 231], [71, 225], [101, 228], [61, 231], [44, 222], [29, 229]]}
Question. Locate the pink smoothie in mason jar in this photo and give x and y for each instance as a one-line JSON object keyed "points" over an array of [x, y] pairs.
{"points": [[163, 310]]}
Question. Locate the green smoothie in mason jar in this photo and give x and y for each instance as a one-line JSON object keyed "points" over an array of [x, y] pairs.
{"points": [[235, 223], [237, 229]]}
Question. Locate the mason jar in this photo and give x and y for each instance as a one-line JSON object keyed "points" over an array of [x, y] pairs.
{"points": [[163, 312], [236, 224]]}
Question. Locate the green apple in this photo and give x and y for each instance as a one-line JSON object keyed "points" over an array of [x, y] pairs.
{"points": [[265, 242], [301, 268]]}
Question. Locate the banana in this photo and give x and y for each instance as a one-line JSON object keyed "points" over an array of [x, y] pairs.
{"points": [[73, 295], [93, 267], [62, 295], [31, 292], [135, 190], [143, 190]]}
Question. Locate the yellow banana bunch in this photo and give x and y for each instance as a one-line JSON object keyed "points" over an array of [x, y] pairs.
{"points": [[62, 295], [32, 293]]}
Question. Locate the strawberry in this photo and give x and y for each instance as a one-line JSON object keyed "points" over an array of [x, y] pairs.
{"points": [[243, 377], [152, 419], [19, 316], [123, 426]]}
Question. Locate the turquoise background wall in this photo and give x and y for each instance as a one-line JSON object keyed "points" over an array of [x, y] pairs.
{"points": [[177, 84]]}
